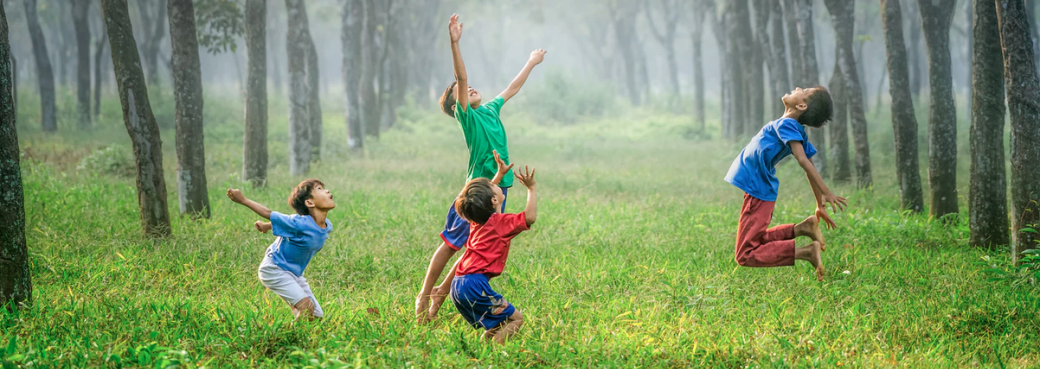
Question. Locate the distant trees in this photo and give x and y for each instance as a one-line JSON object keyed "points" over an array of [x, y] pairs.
{"points": [[44, 74], [297, 37], [152, 13], [779, 77], [187, 93], [904, 122], [352, 18], [936, 17], [15, 278], [670, 12], [737, 41], [810, 75], [843, 17], [138, 118], [79, 21], [696, 35], [254, 157], [621, 15]]}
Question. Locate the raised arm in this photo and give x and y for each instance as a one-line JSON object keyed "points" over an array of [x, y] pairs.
{"points": [[536, 58], [531, 210], [822, 194], [502, 168], [462, 86], [238, 197]]}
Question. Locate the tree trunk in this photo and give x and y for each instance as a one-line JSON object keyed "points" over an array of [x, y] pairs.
{"points": [[154, 27], [272, 42], [904, 122], [987, 198], [697, 36], [299, 120], [843, 18], [780, 77], [313, 96], [254, 157], [839, 131], [79, 21], [755, 75], [138, 118], [1032, 18], [350, 36], [736, 55], [370, 71], [666, 37], [942, 115], [811, 76], [914, 51], [794, 43], [62, 39], [44, 74], [1023, 92], [187, 93], [15, 278], [99, 77], [624, 31], [970, 51], [721, 42]]}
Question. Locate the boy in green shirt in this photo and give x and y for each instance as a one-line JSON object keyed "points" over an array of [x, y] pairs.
{"points": [[486, 140]]}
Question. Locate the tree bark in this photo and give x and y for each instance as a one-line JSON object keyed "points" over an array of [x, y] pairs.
{"points": [[794, 42], [754, 77], [187, 93], [138, 118], [942, 114], [154, 27], [99, 77], [736, 55], [79, 21], [904, 122], [624, 31], [1023, 97], [697, 36], [914, 48], [1032, 17], [987, 198], [299, 119], [15, 278], [779, 75], [254, 157], [721, 42], [350, 36], [370, 72], [44, 74], [313, 96], [811, 75], [843, 18], [839, 131]]}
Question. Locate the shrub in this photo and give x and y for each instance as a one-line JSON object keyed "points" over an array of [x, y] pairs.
{"points": [[117, 161]]}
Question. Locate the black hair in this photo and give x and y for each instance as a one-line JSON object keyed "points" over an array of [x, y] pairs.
{"points": [[302, 193], [819, 108], [474, 203], [448, 100]]}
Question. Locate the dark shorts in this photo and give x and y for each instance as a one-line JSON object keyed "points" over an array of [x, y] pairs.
{"points": [[478, 303], [456, 229]]}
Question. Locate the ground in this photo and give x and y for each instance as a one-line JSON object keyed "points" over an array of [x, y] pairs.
{"points": [[630, 263]]}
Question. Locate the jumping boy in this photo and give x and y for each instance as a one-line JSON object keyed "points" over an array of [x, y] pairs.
{"points": [[484, 134], [486, 251], [299, 237], [754, 171]]}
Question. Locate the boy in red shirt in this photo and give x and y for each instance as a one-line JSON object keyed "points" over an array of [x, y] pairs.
{"points": [[486, 251]]}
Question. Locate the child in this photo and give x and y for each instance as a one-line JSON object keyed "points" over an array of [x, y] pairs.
{"points": [[754, 172], [486, 252], [484, 134], [300, 236]]}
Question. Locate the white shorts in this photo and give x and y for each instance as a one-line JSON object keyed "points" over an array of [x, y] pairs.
{"points": [[286, 285]]}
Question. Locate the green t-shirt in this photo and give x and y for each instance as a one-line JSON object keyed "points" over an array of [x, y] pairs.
{"points": [[484, 133]]}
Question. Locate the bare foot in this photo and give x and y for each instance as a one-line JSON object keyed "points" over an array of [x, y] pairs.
{"points": [[811, 227], [436, 300], [422, 305], [814, 258]]}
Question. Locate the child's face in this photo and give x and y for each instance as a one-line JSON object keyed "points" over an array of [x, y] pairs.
{"points": [[321, 198], [498, 199], [474, 96], [796, 98]]}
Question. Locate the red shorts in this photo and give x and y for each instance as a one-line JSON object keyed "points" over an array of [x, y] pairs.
{"points": [[757, 244]]}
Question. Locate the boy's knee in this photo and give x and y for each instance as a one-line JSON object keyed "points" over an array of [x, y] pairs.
{"points": [[743, 260], [517, 317], [305, 306]]}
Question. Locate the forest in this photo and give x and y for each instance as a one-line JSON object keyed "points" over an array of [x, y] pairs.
{"points": [[132, 130]]}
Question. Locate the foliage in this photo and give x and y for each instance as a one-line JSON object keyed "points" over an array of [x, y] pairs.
{"points": [[114, 160], [562, 99], [1026, 272], [219, 24]]}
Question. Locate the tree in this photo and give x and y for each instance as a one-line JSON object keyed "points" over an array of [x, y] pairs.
{"points": [[914, 48], [44, 74], [791, 17], [313, 97], [99, 53], [839, 127], [371, 68], [79, 21], [1023, 98], [936, 17], [14, 84], [843, 18], [299, 120], [15, 278], [350, 36], [187, 93], [254, 159], [736, 102], [152, 13], [666, 37], [904, 123], [779, 75], [810, 74], [621, 14], [987, 198], [721, 42], [138, 118], [754, 75], [696, 37]]}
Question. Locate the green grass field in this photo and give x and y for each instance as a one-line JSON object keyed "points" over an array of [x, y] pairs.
{"points": [[630, 264]]}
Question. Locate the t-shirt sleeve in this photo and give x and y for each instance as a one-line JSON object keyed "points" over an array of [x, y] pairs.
{"points": [[789, 130], [514, 223], [495, 105], [283, 225], [810, 150]]}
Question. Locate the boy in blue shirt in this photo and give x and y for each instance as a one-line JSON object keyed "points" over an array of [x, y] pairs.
{"points": [[754, 171], [299, 237]]}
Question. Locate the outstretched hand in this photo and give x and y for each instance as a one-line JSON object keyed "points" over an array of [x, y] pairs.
{"points": [[821, 214], [537, 56], [236, 195], [502, 167], [526, 177], [262, 226], [455, 28]]}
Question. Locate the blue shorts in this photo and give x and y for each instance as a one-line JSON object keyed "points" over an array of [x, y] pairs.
{"points": [[456, 229], [478, 303]]}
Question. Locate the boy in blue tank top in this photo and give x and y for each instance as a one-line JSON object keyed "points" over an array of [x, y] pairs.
{"points": [[299, 237]]}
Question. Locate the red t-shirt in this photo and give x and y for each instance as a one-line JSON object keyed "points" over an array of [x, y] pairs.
{"points": [[488, 245]]}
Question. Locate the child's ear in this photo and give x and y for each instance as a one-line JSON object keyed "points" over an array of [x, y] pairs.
{"points": [[309, 203], [802, 106]]}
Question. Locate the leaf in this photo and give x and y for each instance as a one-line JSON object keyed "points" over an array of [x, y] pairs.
{"points": [[12, 345], [1027, 229]]}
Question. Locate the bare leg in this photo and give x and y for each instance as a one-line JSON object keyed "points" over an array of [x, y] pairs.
{"points": [[304, 309], [437, 262], [509, 327], [810, 227], [811, 253]]}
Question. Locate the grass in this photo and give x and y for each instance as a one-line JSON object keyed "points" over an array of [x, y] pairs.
{"points": [[630, 265]]}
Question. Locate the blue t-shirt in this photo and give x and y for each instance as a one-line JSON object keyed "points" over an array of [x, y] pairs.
{"points": [[299, 238], [754, 171]]}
